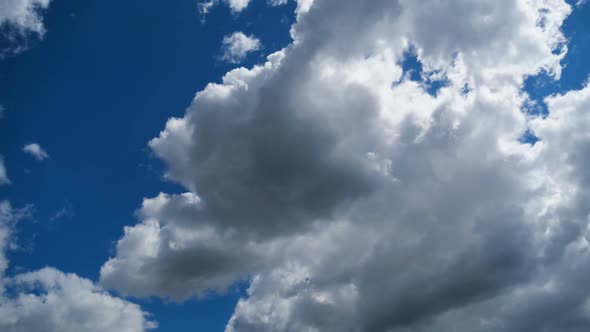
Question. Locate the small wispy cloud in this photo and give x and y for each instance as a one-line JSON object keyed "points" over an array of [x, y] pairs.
{"points": [[66, 212], [236, 6], [236, 46], [3, 176], [277, 2], [36, 151]]}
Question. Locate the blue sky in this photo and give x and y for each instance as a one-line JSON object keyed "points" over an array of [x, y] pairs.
{"points": [[77, 91], [102, 83]]}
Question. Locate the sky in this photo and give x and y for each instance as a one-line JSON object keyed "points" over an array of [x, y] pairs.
{"points": [[282, 165]]}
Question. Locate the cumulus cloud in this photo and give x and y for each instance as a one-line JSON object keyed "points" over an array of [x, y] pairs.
{"points": [[3, 174], [354, 200], [49, 300], [36, 151], [235, 47]]}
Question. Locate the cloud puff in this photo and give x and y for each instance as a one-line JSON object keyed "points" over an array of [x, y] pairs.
{"points": [[235, 47], [36, 151], [49, 300], [355, 200]]}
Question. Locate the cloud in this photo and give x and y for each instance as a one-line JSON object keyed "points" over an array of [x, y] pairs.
{"points": [[277, 2], [20, 20], [24, 14], [3, 174], [49, 300], [55, 301], [236, 47], [236, 6], [354, 200], [36, 151]]}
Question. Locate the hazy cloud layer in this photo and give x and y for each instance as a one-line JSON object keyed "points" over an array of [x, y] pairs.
{"points": [[355, 200]]}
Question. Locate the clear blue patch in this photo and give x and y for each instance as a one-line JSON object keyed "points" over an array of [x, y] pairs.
{"points": [[414, 71], [576, 67], [101, 84], [529, 138]]}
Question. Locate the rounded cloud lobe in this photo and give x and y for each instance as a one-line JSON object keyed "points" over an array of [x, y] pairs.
{"points": [[354, 199]]}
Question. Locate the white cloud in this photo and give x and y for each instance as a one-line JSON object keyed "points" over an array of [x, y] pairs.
{"points": [[236, 6], [235, 47], [23, 14], [277, 2], [355, 200], [49, 300], [21, 19], [3, 174], [36, 151], [54, 301]]}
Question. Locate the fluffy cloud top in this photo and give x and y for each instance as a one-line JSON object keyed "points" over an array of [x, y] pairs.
{"points": [[48, 300], [355, 200], [235, 47], [36, 151]]}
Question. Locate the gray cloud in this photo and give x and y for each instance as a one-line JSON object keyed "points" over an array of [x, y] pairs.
{"points": [[354, 200]]}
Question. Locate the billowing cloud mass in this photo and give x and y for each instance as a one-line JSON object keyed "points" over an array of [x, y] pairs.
{"points": [[36, 151], [355, 199], [49, 300], [235, 47]]}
